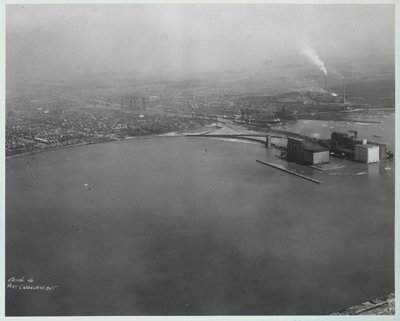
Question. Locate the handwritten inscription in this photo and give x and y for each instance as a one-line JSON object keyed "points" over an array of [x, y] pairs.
{"points": [[24, 283]]}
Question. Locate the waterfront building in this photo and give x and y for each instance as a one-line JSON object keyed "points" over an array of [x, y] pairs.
{"points": [[295, 149], [301, 150], [367, 153], [314, 154], [383, 149], [347, 144]]}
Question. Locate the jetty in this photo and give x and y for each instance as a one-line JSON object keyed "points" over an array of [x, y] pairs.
{"points": [[290, 172]]}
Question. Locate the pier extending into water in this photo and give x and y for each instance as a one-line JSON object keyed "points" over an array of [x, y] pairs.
{"points": [[290, 172]]}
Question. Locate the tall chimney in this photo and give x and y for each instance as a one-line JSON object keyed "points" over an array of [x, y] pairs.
{"points": [[134, 102], [344, 92]]}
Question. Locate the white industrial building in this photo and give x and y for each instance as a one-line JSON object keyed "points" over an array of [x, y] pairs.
{"points": [[366, 153]]}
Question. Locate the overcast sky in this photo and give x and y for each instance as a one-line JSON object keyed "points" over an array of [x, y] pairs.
{"points": [[61, 41]]}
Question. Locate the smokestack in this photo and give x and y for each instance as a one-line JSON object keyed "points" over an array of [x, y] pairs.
{"points": [[134, 102], [326, 82], [344, 92]]}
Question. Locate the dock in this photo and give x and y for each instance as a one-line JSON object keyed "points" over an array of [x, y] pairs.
{"points": [[290, 172]]}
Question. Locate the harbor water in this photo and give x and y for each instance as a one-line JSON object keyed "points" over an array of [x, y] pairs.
{"points": [[194, 226]]}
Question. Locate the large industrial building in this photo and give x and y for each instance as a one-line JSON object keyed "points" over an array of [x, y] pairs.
{"points": [[367, 153], [315, 154], [359, 150], [295, 149], [304, 151]]}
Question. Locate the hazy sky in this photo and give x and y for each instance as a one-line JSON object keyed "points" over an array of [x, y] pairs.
{"points": [[61, 41]]}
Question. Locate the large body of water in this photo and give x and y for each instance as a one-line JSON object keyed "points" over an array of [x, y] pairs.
{"points": [[172, 226]]}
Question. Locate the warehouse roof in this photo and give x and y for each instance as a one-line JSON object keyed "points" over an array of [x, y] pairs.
{"points": [[314, 147]]}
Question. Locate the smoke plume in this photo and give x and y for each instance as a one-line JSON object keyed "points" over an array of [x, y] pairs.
{"points": [[314, 57], [335, 72]]}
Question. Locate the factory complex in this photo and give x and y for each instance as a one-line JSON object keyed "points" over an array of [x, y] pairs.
{"points": [[310, 151]]}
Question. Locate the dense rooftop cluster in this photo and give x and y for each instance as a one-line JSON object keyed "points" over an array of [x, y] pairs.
{"points": [[30, 130]]}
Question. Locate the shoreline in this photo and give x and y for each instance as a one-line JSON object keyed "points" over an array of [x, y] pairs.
{"points": [[220, 128], [242, 139], [105, 140], [37, 151], [202, 131]]}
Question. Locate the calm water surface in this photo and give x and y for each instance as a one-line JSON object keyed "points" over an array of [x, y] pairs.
{"points": [[155, 226]]}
